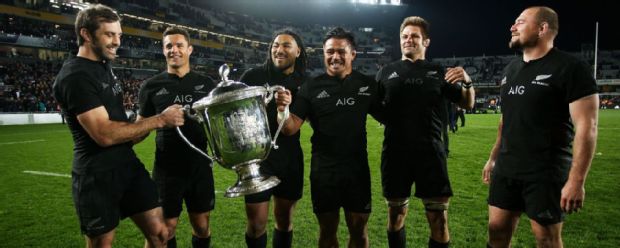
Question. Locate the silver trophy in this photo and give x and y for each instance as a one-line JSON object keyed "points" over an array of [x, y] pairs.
{"points": [[237, 129]]}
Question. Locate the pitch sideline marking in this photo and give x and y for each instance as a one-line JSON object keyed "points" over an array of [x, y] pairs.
{"points": [[43, 173], [21, 142]]}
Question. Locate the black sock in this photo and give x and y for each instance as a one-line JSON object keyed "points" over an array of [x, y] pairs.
{"points": [[172, 243], [282, 238], [260, 242], [434, 244], [201, 242], [397, 239]]}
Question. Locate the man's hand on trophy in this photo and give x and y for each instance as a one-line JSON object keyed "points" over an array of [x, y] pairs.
{"points": [[283, 99], [172, 116]]}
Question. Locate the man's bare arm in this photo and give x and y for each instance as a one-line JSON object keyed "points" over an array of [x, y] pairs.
{"points": [[106, 132], [584, 114]]}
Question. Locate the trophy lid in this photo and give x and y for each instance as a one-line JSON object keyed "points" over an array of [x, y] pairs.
{"points": [[227, 91]]}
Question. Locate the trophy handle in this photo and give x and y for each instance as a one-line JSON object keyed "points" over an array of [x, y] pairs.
{"points": [[270, 93], [199, 120]]}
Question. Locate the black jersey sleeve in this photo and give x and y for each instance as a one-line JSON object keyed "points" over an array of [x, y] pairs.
{"points": [[147, 108], [301, 105], [379, 75], [376, 104], [81, 93], [581, 83]]}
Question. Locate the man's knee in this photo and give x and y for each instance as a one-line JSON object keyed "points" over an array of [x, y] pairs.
{"points": [[200, 224], [202, 231], [283, 219], [547, 235], [255, 228], [397, 212], [158, 237]]}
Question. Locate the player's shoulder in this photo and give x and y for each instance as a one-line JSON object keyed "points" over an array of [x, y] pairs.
{"points": [[361, 76], [201, 78], [565, 57], [431, 65], [252, 75]]}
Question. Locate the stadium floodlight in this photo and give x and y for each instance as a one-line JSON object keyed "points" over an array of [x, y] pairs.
{"points": [[377, 2]]}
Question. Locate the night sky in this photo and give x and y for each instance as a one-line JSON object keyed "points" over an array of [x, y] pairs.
{"points": [[458, 28]]}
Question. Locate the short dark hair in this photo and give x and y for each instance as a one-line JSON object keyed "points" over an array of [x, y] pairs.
{"points": [[548, 15], [340, 33], [90, 18], [418, 22], [176, 30], [301, 62]]}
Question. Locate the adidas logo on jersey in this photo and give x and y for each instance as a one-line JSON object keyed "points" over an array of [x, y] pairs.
{"points": [[430, 73], [503, 81], [199, 87], [322, 95], [393, 75], [105, 85], [163, 91]]}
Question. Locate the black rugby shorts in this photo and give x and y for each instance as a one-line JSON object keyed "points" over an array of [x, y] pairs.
{"points": [[103, 198], [539, 199]]}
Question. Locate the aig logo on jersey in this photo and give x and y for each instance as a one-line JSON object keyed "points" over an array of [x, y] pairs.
{"points": [[183, 99], [347, 101], [516, 90]]}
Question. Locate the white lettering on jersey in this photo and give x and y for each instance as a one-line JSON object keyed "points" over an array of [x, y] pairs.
{"points": [[517, 90], [183, 99], [346, 101]]}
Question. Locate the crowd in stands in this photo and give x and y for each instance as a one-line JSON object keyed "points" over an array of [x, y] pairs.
{"points": [[26, 86]]}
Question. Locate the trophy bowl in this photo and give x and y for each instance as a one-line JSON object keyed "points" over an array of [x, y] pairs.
{"points": [[237, 128]]}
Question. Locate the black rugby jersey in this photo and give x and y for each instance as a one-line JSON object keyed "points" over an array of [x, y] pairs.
{"points": [[336, 109], [165, 89], [537, 131], [289, 146], [414, 101], [80, 86]]}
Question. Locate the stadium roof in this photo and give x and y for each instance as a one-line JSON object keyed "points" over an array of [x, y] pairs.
{"points": [[458, 28]]}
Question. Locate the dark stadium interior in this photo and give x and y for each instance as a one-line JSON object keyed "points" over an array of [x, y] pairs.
{"points": [[37, 36]]}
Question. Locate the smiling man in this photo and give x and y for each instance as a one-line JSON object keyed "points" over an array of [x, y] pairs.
{"points": [[531, 168], [336, 104], [109, 182], [415, 95], [181, 174], [286, 66]]}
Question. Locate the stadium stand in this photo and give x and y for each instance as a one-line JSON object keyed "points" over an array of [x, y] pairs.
{"points": [[35, 38]]}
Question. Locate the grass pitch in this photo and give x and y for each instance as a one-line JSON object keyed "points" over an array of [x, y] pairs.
{"points": [[37, 210]]}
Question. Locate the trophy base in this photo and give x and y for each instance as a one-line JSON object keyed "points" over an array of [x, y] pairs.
{"points": [[250, 181]]}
